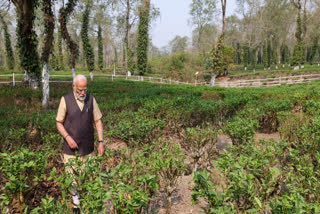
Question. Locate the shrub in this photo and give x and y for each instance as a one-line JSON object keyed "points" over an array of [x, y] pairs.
{"points": [[202, 145], [241, 130], [292, 126], [168, 161], [136, 129], [133, 181], [311, 107], [22, 173], [88, 180]]}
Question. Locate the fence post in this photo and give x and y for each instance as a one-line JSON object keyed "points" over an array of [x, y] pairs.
{"points": [[112, 78], [13, 80]]}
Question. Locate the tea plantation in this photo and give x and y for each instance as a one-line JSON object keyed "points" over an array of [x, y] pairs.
{"points": [[161, 126]]}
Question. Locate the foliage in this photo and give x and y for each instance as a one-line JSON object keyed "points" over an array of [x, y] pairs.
{"points": [[178, 44], [169, 163], [134, 181], [87, 48], [60, 55], [64, 14], [253, 58], [221, 59], [9, 51], [268, 120], [298, 52], [245, 56], [314, 50], [49, 28], [50, 206], [251, 177], [78, 177], [177, 61], [265, 56], [298, 55], [27, 39], [269, 49], [202, 143], [23, 173], [204, 188], [143, 37], [135, 128], [284, 52], [202, 13], [100, 49], [131, 62], [274, 56], [241, 130]]}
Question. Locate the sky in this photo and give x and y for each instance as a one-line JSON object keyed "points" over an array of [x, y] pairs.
{"points": [[173, 20]]}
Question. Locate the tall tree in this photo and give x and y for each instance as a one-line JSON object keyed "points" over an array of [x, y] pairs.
{"points": [[64, 14], [27, 40], [60, 54], [269, 49], [202, 12], [100, 48], [220, 53], [274, 55], [126, 19], [265, 56], [178, 44], [284, 52], [9, 51], [314, 49], [47, 48], [87, 48], [143, 37], [298, 53], [245, 56]]}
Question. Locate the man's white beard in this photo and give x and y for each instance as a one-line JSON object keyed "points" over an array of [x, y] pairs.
{"points": [[81, 97]]}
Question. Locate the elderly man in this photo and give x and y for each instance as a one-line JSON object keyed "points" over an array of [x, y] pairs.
{"points": [[77, 113]]}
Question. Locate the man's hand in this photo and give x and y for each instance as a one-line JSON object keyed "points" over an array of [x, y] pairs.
{"points": [[72, 144], [101, 149]]}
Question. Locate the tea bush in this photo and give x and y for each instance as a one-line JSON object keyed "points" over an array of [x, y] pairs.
{"points": [[88, 180], [136, 129], [202, 145], [22, 173], [241, 130], [256, 177], [311, 107]]}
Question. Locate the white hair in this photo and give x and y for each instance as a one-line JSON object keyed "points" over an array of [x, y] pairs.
{"points": [[78, 78]]}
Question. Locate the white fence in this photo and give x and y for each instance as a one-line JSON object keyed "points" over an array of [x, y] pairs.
{"points": [[268, 82]]}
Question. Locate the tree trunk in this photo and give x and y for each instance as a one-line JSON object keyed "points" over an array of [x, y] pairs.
{"points": [[34, 81], [45, 84], [73, 72], [213, 79], [224, 5], [168, 209], [127, 35], [64, 13]]}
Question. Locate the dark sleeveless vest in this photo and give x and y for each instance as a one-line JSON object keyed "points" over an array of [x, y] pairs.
{"points": [[79, 125]]}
